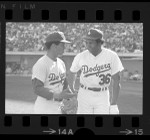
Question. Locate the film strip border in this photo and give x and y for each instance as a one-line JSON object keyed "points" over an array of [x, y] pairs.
{"points": [[95, 12], [63, 15], [72, 125], [74, 12]]}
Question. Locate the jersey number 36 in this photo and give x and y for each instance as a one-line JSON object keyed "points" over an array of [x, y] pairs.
{"points": [[104, 79]]}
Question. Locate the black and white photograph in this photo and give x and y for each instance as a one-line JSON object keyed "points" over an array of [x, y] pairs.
{"points": [[74, 68]]}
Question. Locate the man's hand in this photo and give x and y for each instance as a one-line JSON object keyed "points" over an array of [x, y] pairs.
{"points": [[65, 94]]}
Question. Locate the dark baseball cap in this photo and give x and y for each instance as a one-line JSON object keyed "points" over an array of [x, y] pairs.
{"points": [[57, 36], [94, 34]]}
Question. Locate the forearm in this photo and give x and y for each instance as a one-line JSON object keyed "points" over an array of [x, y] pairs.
{"points": [[66, 86], [71, 82], [115, 93], [40, 90], [44, 92], [67, 95]]}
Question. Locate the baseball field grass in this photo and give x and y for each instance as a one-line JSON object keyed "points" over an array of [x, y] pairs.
{"points": [[20, 97]]}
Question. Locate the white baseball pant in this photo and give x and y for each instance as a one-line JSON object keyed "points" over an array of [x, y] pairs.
{"points": [[93, 102], [44, 106]]}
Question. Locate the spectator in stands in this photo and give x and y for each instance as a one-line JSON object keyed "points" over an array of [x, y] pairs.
{"points": [[16, 68], [130, 75], [136, 76], [30, 37], [8, 70]]}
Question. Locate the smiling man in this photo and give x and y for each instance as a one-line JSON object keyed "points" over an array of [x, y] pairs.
{"points": [[98, 67]]}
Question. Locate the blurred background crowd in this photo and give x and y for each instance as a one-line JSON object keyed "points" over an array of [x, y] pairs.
{"points": [[120, 37], [30, 37]]}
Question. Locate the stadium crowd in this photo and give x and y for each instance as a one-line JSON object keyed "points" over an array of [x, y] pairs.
{"points": [[16, 68], [120, 37]]}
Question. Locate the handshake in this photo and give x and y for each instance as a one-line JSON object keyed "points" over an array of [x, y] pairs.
{"points": [[65, 94]]}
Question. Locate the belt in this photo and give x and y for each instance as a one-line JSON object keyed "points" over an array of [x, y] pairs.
{"points": [[94, 89]]}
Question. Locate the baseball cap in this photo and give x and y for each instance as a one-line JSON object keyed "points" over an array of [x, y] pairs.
{"points": [[57, 36], [94, 34]]}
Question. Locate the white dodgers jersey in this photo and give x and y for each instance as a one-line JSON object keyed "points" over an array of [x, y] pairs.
{"points": [[51, 73], [96, 71]]}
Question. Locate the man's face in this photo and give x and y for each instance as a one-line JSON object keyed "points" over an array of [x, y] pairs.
{"points": [[60, 49], [92, 46]]}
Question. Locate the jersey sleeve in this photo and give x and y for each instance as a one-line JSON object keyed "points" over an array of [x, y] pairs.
{"points": [[39, 72], [75, 67], [116, 64]]}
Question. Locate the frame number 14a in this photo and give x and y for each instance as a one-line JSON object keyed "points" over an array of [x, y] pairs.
{"points": [[65, 132]]}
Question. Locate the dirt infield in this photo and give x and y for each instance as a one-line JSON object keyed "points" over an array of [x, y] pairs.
{"points": [[20, 97]]}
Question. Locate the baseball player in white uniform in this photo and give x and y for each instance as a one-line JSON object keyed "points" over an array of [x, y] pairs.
{"points": [[49, 77], [98, 66]]}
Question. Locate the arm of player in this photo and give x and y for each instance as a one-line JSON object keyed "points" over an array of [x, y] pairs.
{"points": [[71, 81], [66, 93], [115, 88], [117, 67], [75, 67], [40, 90], [66, 86]]}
